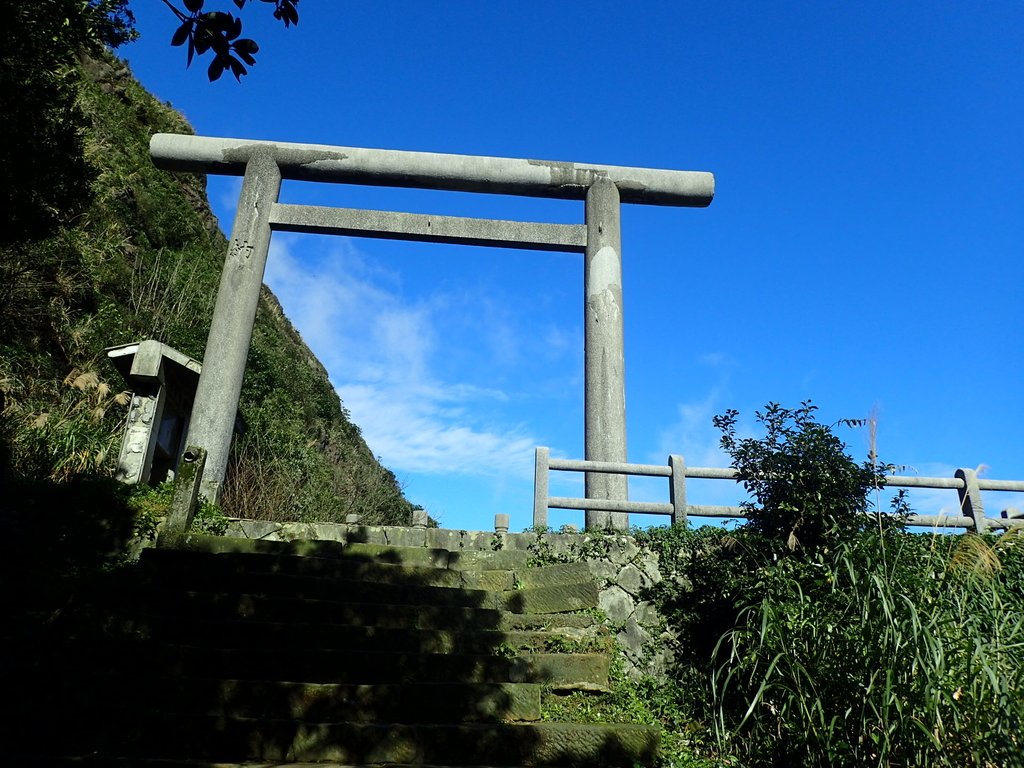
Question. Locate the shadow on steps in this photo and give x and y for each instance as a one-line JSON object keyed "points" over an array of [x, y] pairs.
{"points": [[231, 650]]}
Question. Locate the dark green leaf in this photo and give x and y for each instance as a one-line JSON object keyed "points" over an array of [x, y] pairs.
{"points": [[194, 6], [204, 41], [245, 52], [290, 14], [219, 21], [181, 33], [236, 68], [216, 69], [245, 45]]}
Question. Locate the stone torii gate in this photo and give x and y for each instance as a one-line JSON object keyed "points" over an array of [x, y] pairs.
{"points": [[264, 164]]}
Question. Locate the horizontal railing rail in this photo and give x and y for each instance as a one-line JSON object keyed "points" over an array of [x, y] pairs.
{"points": [[965, 482]]}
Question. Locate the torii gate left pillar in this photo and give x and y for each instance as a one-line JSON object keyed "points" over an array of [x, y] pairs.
{"points": [[227, 347], [263, 165]]}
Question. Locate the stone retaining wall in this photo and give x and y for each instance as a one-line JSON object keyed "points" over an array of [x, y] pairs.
{"points": [[623, 570]]}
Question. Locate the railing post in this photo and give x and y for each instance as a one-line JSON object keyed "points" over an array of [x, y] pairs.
{"points": [[604, 358], [970, 499], [227, 346], [677, 489], [540, 488]]}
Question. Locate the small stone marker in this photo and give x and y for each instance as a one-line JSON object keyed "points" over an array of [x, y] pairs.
{"points": [[163, 382]]}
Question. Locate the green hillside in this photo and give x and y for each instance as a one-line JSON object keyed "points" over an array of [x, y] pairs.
{"points": [[100, 248]]}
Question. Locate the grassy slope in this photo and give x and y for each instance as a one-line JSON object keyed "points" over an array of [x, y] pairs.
{"points": [[143, 261]]}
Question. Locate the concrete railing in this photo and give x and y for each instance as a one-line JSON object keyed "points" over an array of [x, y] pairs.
{"points": [[965, 482]]}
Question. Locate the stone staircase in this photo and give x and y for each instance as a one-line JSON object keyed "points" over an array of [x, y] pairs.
{"points": [[237, 651]]}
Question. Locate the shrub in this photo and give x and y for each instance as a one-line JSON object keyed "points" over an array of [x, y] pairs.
{"points": [[807, 491], [819, 635], [873, 658]]}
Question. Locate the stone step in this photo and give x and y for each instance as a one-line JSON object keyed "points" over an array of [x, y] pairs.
{"points": [[169, 561], [571, 623], [505, 559], [542, 599], [560, 671], [554, 575], [123, 695], [459, 560], [155, 580], [540, 744], [556, 598], [224, 606], [466, 639], [229, 651]]}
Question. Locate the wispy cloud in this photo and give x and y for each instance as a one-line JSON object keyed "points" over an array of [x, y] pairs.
{"points": [[693, 436], [717, 360], [382, 352], [422, 431]]}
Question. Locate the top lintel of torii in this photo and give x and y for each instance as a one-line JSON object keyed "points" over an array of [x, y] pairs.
{"points": [[428, 170]]}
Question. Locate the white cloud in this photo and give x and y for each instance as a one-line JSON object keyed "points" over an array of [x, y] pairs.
{"points": [[717, 360], [348, 314], [414, 431], [693, 436]]}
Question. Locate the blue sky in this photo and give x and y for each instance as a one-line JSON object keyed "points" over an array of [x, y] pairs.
{"points": [[865, 248]]}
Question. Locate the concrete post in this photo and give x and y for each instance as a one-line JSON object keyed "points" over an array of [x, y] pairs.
{"points": [[540, 488], [216, 404], [970, 499], [604, 374], [677, 489]]}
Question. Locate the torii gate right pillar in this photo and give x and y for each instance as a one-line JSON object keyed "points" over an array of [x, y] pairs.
{"points": [[604, 352]]}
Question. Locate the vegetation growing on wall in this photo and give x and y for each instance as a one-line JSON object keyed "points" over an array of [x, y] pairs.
{"points": [[821, 632], [853, 644]]}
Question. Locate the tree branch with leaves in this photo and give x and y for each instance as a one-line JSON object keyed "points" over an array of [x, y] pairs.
{"points": [[220, 32]]}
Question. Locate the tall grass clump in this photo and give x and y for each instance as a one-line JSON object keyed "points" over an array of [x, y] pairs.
{"points": [[821, 633], [852, 658]]}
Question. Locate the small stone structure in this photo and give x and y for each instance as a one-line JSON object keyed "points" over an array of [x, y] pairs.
{"points": [[623, 570], [163, 382]]}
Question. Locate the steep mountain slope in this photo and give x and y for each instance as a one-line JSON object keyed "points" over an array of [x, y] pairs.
{"points": [[138, 256]]}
